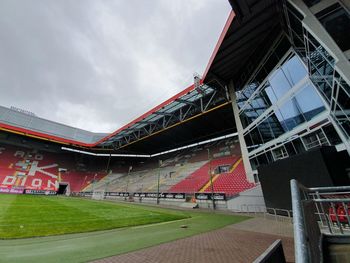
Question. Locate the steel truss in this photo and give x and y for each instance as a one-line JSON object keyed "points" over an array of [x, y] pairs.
{"points": [[196, 102]]}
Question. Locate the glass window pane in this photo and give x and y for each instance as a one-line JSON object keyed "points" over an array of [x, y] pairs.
{"points": [[262, 159], [309, 102], [343, 99], [279, 83], [269, 94], [310, 3], [332, 134], [294, 70], [336, 21], [266, 131], [281, 120], [292, 116]]}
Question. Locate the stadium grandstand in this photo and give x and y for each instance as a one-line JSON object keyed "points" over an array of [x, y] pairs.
{"points": [[272, 105]]}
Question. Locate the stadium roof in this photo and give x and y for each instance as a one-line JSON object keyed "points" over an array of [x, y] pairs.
{"points": [[195, 114], [21, 122], [199, 112], [253, 25]]}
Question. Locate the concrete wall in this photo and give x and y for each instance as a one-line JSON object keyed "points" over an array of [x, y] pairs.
{"points": [[251, 200]]}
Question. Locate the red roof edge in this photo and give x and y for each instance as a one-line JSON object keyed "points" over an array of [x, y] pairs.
{"points": [[218, 44], [42, 135], [78, 143], [180, 94]]}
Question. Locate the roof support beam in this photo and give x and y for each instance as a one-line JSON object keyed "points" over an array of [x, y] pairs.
{"points": [[187, 102], [172, 114]]}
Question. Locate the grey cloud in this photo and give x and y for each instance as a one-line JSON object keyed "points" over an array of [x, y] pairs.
{"points": [[99, 64]]}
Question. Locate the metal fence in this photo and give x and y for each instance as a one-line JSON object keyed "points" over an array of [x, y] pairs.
{"points": [[318, 211]]}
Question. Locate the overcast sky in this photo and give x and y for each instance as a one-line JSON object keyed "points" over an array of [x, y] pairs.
{"points": [[99, 64]]}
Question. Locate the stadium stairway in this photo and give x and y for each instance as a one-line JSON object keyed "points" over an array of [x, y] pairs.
{"points": [[208, 184], [102, 184], [216, 176], [233, 182], [146, 180], [134, 182], [178, 174], [79, 180], [199, 178]]}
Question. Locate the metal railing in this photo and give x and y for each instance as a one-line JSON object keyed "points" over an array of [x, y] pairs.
{"points": [[317, 211]]}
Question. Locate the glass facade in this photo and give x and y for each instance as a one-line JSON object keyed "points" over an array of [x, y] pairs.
{"points": [[284, 100], [325, 135], [297, 98], [300, 101], [336, 20], [321, 64], [253, 100]]}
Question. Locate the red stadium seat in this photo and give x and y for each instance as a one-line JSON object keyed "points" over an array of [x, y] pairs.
{"points": [[22, 167], [198, 179], [233, 182]]}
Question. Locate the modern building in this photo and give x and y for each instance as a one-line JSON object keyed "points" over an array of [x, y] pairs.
{"points": [[286, 66]]}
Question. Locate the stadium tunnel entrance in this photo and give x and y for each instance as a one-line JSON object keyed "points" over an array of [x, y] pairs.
{"points": [[62, 188]]}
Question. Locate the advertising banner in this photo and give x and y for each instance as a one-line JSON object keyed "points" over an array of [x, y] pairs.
{"points": [[122, 194], [39, 192], [11, 190], [208, 196], [161, 195], [85, 193]]}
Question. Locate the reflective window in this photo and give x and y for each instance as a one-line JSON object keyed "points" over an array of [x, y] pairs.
{"points": [[266, 131], [343, 99], [336, 21], [262, 159], [320, 67], [259, 104], [290, 149], [345, 124], [281, 113], [294, 70], [291, 114], [248, 140], [270, 128], [309, 102], [298, 145], [254, 163], [310, 3], [279, 83], [296, 27], [280, 118], [303, 106], [270, 94], [245, 94], [332, 134]]}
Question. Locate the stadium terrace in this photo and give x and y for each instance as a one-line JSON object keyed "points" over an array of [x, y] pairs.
{"points": [[264, 132]]}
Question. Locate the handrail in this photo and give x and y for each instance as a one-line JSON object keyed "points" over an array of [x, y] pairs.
{"points": [[318, 210], [331, 200], [302, 254], [322, 189]]}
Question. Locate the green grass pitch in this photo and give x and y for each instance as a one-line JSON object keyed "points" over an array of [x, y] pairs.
{"points": [[68, 227], [29, 216]]}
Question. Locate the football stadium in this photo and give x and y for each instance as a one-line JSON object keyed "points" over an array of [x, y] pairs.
{"points": [[250, 163]]}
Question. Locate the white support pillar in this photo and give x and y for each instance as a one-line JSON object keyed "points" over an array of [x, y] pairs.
{"points": [[247, 166]]}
